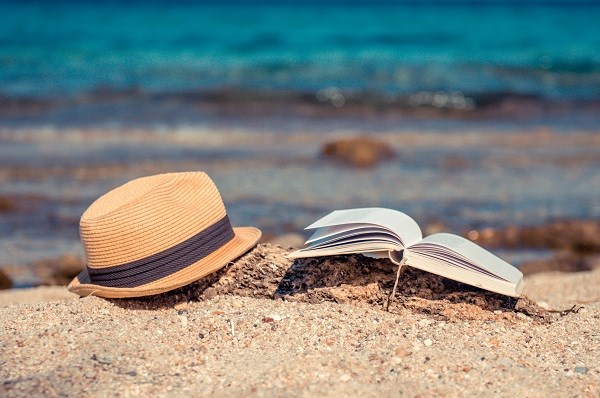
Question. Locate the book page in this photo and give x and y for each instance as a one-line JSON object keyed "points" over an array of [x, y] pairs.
{"points": [[462, 252], [374, 238], [402, 225], [353, 248], [349, 233], [380, 254], [338, 230], [470, 276]]}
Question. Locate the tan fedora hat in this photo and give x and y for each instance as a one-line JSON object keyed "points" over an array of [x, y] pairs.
{"points": [[155, 234]]}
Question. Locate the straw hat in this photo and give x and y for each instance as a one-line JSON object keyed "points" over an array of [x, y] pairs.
{"points": [[155, 234]]}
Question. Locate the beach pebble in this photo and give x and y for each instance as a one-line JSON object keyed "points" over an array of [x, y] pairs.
{"points": [[103, 359], [345, 378], [128, 371], [181, 306], [396, 360], [276, 317], [236, 304], [401, 352], [427, 342], [581, 370], [184, 320], [210, 293]]}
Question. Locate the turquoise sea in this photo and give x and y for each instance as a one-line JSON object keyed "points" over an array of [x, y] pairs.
{"points": [[60, 58]]}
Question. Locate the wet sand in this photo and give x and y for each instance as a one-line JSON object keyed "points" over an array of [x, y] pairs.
{"points": [[225, 337]]}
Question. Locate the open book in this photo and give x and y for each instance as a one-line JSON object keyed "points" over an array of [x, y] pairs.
{"points": [[378, 232]]}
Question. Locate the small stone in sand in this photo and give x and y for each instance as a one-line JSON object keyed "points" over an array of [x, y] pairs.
{"points": [[276, 317], [184, 320], [103, 359], [181, 306]]}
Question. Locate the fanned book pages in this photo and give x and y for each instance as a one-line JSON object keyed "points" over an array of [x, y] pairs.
{"points": [[379, 232]]}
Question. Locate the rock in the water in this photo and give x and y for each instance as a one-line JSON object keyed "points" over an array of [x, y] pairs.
{"points": [[581, 236], [58, 271], [6, 204], [46, 272], [358, 152], [565, 261], [5, 282]]}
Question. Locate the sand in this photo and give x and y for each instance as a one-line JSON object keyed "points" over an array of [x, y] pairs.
{"points": [[228, 336], [36, 295]]}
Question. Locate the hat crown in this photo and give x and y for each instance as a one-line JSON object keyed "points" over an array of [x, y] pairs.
{"points": [[147, 216]]}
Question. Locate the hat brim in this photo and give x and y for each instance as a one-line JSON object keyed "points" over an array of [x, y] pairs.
{"points": [[245, 238]]}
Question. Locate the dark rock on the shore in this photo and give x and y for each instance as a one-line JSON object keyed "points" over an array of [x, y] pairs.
{"points": [[21, 106], [5, 282], [47, 272], [565, 261], [453, 162], [358, 152], [581, 236], [6, 204], [58, 271]]}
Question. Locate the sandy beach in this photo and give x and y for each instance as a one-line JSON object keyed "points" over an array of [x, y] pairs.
{"points": [[477, 118], [262, 327]]}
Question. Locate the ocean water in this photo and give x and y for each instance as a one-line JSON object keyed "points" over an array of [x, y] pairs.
{"points": [[59, 58], [492, 107]]}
